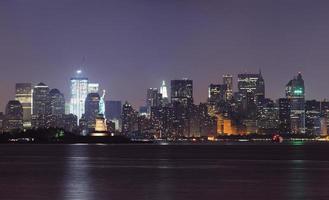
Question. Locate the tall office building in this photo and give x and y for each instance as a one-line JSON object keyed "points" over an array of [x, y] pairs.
{"points": [[40, 105], [313, 117], [251, 93], [267, 117], [217, 93], [153, 98], [228, 81], [79, 92], [129, 119], [14, 116], [24, 96], [295, 92], [91, 109], [182, 100], [284, 115], [253, 84], [56, 109], [182, 91]]}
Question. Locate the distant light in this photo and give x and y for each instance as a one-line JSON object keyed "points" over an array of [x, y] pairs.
{"points": [[297, 143], [211, 138], [298, 91], [79, 71]]}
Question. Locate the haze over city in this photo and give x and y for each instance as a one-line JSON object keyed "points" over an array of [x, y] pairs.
{"points": [[129, 46]]}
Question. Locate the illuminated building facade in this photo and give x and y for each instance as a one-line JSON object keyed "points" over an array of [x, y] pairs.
{"points": [[182, 91], [13, 116], [79, 92], [40, 106], [284, 115], [325, 116], [267, 117], [252, 85], [153, 99], [251, 92], [24, 96], [129, 119], [295, 92], [56, 109], [313, 117], [70, 122], [162, 118], [217, 93], [228, 81]]}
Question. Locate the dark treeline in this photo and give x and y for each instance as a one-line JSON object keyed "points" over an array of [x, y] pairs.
{"points": [[52, 135]]}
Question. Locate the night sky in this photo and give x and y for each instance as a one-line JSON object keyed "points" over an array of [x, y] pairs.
{"points": [[131, 45]]}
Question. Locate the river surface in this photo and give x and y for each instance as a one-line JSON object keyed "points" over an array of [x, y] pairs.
{"points": [[164, 172]]}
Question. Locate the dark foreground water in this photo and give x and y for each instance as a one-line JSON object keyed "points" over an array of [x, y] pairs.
{"points": [[164, 172]]}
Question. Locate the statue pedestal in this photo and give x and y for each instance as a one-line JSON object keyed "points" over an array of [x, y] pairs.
{"points": [[101, 127]]}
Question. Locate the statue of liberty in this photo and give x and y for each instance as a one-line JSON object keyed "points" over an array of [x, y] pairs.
{"points": [[101, 127], [102, 104]]}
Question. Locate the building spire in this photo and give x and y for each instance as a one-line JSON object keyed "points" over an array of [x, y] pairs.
{"points": [[163, 90]]}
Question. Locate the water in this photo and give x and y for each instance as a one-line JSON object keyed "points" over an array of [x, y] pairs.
{"points": [[164, 172]]}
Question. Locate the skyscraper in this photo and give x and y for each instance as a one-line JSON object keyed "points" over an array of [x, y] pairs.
{"points": [[14, 116], [228, 81], [92, 109], [295, 92], [251, 84], [251, 93], [40, 105], [56, 109], [267, 117], [313, 117], [24, 96], [129, 119], [217, 93], [153, 98], [79, 92], [284, 115], [182, 91]]}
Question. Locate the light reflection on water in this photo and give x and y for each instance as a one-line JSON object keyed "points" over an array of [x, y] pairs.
{"points": [[297, 180], [163, 172], [77, 181]]}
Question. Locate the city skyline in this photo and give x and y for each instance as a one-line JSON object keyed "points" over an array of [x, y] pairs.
{"points": [[169, 99], [143, 93], [202, 41]]}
